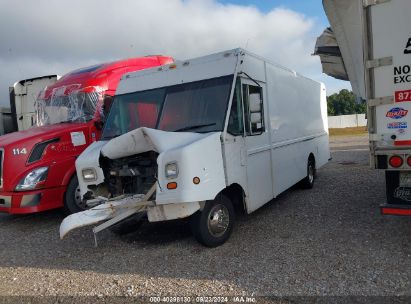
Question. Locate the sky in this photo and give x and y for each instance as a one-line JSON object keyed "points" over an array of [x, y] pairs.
{"points": [[45, 37]]}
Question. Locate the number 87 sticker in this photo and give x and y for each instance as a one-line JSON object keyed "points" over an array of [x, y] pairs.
{"points": [[402, 96]]}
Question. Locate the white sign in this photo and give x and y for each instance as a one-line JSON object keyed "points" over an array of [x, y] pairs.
{"points": [[78, 138]]}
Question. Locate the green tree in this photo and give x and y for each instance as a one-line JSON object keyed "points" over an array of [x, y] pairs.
{"points": [[343, 103]]}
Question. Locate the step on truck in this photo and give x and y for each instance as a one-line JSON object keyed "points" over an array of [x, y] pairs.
{"points": [[37, 165], [221, 131], [369, 44]]}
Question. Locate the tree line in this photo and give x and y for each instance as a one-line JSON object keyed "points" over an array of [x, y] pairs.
{"points": [[344, 103]]}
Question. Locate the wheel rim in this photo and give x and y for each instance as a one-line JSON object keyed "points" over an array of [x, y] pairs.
{"points": [[77, 198], [218, 220], [311, 174]]}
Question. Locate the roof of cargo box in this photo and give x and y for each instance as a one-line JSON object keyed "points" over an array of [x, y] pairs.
{"points": [[107, 75], [205, 67], [22, 82]]}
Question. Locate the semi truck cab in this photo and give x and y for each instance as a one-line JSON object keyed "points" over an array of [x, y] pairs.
{"points": [[37, 166]]}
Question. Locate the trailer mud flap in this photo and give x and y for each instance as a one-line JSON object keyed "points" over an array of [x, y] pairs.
{"points": [[398, 184]]}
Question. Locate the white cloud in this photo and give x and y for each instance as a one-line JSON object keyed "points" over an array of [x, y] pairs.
{"points": [[53, 37]]}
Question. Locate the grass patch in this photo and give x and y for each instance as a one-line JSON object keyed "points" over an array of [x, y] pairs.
{"points": [[348, 131]]}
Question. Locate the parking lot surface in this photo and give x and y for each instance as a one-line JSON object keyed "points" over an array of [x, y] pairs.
{"points": [[330, 240]]}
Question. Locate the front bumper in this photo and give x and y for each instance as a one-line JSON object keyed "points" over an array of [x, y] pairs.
{"points": [[31, 201]]}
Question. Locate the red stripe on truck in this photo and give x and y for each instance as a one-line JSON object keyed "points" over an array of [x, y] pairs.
{"points": [[402, 143]]}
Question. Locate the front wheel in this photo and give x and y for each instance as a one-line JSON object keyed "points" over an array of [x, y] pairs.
{"points": [[308, 181], [213, 225], [72, 199]]}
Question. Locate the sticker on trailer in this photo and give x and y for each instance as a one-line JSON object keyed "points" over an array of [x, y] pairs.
{"points": [[78, 138], [403, 96], [397, 125], [397, 113]]}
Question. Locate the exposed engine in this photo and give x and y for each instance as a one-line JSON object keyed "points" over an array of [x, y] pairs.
{"points": [[130, 175]]}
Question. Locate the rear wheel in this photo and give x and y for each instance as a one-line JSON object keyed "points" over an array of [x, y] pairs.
{"points": [[308, 181], [213, 225], [72, 199]]}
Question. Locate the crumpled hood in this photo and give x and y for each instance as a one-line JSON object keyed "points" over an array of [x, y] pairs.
{"points": [[145, 139], [139, 141]]}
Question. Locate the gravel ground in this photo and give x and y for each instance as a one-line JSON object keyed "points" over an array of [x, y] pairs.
{"points": [[330, 240]]}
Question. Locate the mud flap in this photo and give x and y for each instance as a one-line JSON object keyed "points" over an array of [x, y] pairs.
{"points": [[398, 189]]}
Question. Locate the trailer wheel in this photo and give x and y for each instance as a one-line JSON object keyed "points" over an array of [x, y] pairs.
{"points": [[72, 199], [213, 225], [308, 181]]}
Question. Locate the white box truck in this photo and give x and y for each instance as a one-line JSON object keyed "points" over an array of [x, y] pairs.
{"points": [[370, 45], [23, 96], [200, 136]]}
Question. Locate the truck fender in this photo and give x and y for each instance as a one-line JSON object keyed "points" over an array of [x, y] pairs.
{"points": [[67, 177]]}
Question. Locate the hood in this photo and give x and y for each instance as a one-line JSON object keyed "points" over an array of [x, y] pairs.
{"points": [[134, 142], [39, 134], [145, 139]]}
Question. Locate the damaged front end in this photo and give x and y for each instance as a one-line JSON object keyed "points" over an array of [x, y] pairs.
{"points": [[131, 174]]}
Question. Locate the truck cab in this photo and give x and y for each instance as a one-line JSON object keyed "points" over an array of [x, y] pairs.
{"points": [[195, 138], [38, 165]]}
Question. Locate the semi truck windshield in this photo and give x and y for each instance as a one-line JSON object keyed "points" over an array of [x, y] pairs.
{"points": [[195, 107]]}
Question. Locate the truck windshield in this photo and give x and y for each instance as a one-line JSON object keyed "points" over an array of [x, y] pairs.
{"points": [[191, 107], [73, 106]]}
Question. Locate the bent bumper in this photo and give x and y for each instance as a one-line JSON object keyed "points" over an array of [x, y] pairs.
{"points": [[31, 201]]}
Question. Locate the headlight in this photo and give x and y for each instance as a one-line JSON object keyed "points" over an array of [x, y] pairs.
{"points": [[89, 174], [171, 170], [31, 180]]}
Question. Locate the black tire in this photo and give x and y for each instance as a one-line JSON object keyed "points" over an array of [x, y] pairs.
{"points": [[72, 197], [308, 181], [213, 233], [128, 225]]}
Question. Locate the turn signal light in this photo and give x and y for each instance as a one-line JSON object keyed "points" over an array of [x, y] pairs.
{"points": [[172, 186], [396, 161]]}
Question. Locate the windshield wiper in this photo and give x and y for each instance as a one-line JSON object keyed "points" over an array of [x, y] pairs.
{"points": [[195, 127]]}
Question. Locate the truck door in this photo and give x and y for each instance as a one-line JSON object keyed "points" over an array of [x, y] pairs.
{"points": [[257, 145]]}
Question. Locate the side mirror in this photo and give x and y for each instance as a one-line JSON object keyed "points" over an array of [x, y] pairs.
{"points": [[255, 118], [99, 124], [108, 100], [255, 102]]}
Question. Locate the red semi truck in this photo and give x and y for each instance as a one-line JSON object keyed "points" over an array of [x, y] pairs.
{"points": [[37, 170]]}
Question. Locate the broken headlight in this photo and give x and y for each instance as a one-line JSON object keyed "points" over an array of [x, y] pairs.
{"points": [[89, 174], [171, 170], [33, 180]]}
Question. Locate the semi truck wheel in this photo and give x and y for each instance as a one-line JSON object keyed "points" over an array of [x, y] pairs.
{"points": [[72, 199], [213, 225], [308, 181]]}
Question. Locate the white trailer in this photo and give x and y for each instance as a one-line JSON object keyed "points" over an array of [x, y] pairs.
{"points": [[199, 137], [373, 51], [23, 96]]}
